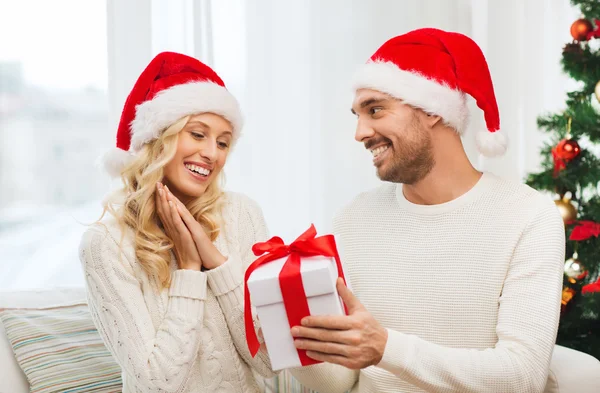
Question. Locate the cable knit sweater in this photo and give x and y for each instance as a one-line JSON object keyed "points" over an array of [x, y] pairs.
{"points": [[469, 290], [190, 337]]}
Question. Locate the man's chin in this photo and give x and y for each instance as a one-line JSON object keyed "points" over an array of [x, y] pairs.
{"points": [[389, 174], [382, 174]]}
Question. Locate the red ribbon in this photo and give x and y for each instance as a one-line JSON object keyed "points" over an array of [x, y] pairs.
{"points": [[559, 162], [290, 279], [595, 33], [585, 230], [591, 288]]}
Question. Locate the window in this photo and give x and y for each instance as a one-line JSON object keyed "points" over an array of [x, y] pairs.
{"points": [[53, 120]]}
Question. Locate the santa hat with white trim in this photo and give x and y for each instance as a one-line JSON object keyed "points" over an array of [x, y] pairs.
{"points": [[171, 87], [433, 70]]}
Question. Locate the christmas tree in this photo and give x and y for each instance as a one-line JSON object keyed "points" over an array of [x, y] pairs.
{"points": [[571, 170]]}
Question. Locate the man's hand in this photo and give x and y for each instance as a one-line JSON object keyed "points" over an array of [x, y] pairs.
{"points": [[354, 341]]}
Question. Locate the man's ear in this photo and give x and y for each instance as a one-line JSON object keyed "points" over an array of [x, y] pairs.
{"points": [[431, 120]]}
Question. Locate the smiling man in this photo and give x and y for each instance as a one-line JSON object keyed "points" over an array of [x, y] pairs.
{"points": [[457, 274]]}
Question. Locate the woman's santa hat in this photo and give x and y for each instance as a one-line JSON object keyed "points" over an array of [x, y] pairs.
{"points": [[432, 70], [171, 87]]}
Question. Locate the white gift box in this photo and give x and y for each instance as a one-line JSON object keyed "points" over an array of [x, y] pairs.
{"points": [[319, 275]]}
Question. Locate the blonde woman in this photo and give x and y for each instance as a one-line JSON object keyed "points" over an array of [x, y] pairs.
{"points": [[164, 268]]}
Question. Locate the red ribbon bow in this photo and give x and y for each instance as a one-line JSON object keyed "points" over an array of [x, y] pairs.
{"points": [[591, 288], [290, 279], [595, 33], [585, 230], [559, 163]]}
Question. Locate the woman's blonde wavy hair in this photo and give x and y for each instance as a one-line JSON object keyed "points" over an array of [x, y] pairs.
{"points": [[134, 204]]}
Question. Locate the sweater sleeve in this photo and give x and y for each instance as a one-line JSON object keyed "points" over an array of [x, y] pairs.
{"points": [[528, 315], [326, 377], [227, 283], [157, 359]]}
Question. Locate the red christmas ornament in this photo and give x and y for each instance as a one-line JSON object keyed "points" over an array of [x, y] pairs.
{"points": [[591, 288], [565, 151], [581, 28]]}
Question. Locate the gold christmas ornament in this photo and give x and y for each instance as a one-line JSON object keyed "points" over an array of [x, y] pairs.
{"points": [[597, 91], [575, 270], [568, 212], [567, 296]]}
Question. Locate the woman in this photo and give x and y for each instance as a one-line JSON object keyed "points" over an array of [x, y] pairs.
{"points": [[164, 270]]}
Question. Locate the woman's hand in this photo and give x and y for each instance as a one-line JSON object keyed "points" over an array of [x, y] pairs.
{"points": [[211, 257], [185, 249]]}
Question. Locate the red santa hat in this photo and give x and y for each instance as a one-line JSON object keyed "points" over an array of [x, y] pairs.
{"points": [[171, 87], [433, 70]]}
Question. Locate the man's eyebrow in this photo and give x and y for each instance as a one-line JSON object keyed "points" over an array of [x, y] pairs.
{"points": [[372, 101], [369, 101]]}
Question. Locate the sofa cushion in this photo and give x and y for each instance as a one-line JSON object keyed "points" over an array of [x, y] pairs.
{"points": [[284, 382], [12, 378], [50, 335], [573, 372], [42, 298], [60, 350]]}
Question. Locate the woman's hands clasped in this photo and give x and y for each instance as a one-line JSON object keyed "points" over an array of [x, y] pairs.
{"points": [[193, 248]]}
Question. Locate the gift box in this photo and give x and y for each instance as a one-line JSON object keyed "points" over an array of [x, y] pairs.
{"points": [[286, 284]]}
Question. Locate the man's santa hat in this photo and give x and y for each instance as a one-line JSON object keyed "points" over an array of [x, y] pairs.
{"points": [[171, 87], [433, 70]]}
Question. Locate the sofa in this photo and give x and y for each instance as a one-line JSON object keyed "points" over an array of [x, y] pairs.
{"points": [[57, 345]]}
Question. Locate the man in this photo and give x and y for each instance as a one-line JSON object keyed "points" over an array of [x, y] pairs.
{"points": [[456, 274]]}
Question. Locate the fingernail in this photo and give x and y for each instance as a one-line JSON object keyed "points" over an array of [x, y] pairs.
{"points": [[295, 331], [158, 185], [160, 192], [304, 321], [171, 203]]}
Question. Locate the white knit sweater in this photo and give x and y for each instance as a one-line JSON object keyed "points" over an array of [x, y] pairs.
{"points": [[469, 290], [190, 337]]}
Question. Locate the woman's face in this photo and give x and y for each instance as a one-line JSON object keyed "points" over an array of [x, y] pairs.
{"points": [[201, 153]]}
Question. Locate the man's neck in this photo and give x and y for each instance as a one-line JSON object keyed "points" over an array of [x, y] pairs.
{"points": [[443, 184]]}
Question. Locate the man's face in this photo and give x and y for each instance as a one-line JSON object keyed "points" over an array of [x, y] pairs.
{"points": [[401, 145]]}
